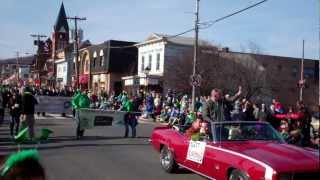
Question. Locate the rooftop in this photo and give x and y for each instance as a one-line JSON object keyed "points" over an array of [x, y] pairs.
{"points": [[179, 40], [25, 60]]}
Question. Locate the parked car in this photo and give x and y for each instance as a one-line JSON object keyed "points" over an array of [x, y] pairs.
{"points": [[236, 150]]}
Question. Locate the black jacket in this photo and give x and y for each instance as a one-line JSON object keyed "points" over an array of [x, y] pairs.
{"points": [[15, 106], [28, 103], [218, 111]]}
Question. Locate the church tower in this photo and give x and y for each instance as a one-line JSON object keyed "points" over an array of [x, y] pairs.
{"points": [[60, 35]]}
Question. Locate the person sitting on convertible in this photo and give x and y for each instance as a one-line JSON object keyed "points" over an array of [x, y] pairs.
{"points": [[198, 130]]}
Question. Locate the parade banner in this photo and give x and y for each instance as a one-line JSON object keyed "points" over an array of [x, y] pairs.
{"points": [[89, 118], [196, 151], [53, 104]]}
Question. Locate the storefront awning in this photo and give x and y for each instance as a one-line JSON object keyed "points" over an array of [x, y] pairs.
{"points": [[141, 80]]}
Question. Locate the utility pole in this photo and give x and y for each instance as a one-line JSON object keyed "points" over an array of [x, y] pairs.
{"points": [[195, 54], [76, 44], [38, 39], [319, 53], [302, 82], [17, 66]]}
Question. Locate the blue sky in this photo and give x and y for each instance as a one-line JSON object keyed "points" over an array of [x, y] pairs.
{"points": [[277, 26]]}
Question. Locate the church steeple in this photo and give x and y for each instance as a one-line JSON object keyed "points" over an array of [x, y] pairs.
{"points": [[60, 34], [61, 24]]}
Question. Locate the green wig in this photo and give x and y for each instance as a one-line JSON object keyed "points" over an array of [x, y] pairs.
{"points": [[17, 158]]}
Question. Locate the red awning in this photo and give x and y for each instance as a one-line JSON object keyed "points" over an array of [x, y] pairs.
{"points": [[83, 79]]}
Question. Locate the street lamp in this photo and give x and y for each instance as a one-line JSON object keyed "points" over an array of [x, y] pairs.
{"points": [[146, 72]]}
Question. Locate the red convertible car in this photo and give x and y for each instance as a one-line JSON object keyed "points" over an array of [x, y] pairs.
{"points": [[236, 151]]}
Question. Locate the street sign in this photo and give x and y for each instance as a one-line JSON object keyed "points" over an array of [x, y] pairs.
{"points": [[302, 83], [195, 80]]}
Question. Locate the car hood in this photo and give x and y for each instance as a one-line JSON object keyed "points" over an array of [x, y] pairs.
{"points": [[280, 156]]}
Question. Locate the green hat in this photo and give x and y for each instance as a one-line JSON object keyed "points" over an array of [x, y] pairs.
{"points": [[16, 158]]}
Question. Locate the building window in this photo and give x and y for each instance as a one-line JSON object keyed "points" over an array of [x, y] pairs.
{"points": [[25, 76], [94, 62], [158, 62], [142, 63], [308, 72], [150, 62], [101, 61], [64, 68], [95, 59], [86, 66], [294, 71], [101, 54]]}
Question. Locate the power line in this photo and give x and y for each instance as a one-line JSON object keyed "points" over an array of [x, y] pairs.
{"points": [[208, 24], [165, 37], [179, 34]]}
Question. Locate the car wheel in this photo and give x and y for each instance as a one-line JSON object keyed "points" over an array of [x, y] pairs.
{"points": [[167, 161], [238, 175]]}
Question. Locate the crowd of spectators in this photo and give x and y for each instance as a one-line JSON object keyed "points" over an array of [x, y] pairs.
{"points": [[293, 122]]}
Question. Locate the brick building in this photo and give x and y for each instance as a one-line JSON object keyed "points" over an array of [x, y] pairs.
{"points": [[102, 66], [282, 75], [14, 70]]}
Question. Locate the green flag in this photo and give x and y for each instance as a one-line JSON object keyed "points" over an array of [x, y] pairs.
{"points": [[22, 136], [45, 133]]}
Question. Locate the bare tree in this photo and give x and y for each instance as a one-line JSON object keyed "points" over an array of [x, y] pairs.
{"points": [[180, 70], [222, 69]]}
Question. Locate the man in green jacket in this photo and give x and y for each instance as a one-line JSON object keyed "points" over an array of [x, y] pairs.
{"points": [[80, 101], [130, 118]]}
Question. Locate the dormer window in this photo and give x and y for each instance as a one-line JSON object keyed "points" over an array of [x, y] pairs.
{"points": [[101, 57], [94, 59]]}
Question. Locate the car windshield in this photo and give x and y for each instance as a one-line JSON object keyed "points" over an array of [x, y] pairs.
{"points": [[245, 131]]}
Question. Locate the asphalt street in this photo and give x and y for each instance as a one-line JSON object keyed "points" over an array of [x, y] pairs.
{"points": [[101, 155]]}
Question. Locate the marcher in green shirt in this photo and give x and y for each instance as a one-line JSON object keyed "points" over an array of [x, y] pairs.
{"points": [[130, 118], [127, 106], [80, 101]]}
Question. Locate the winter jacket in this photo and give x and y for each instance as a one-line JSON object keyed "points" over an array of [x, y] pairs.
{"points": [[218, 110], [150, 104], [28, 103], [14, 106]]}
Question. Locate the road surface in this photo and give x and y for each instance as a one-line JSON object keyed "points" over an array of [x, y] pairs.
{"points": [[101, 155]]}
